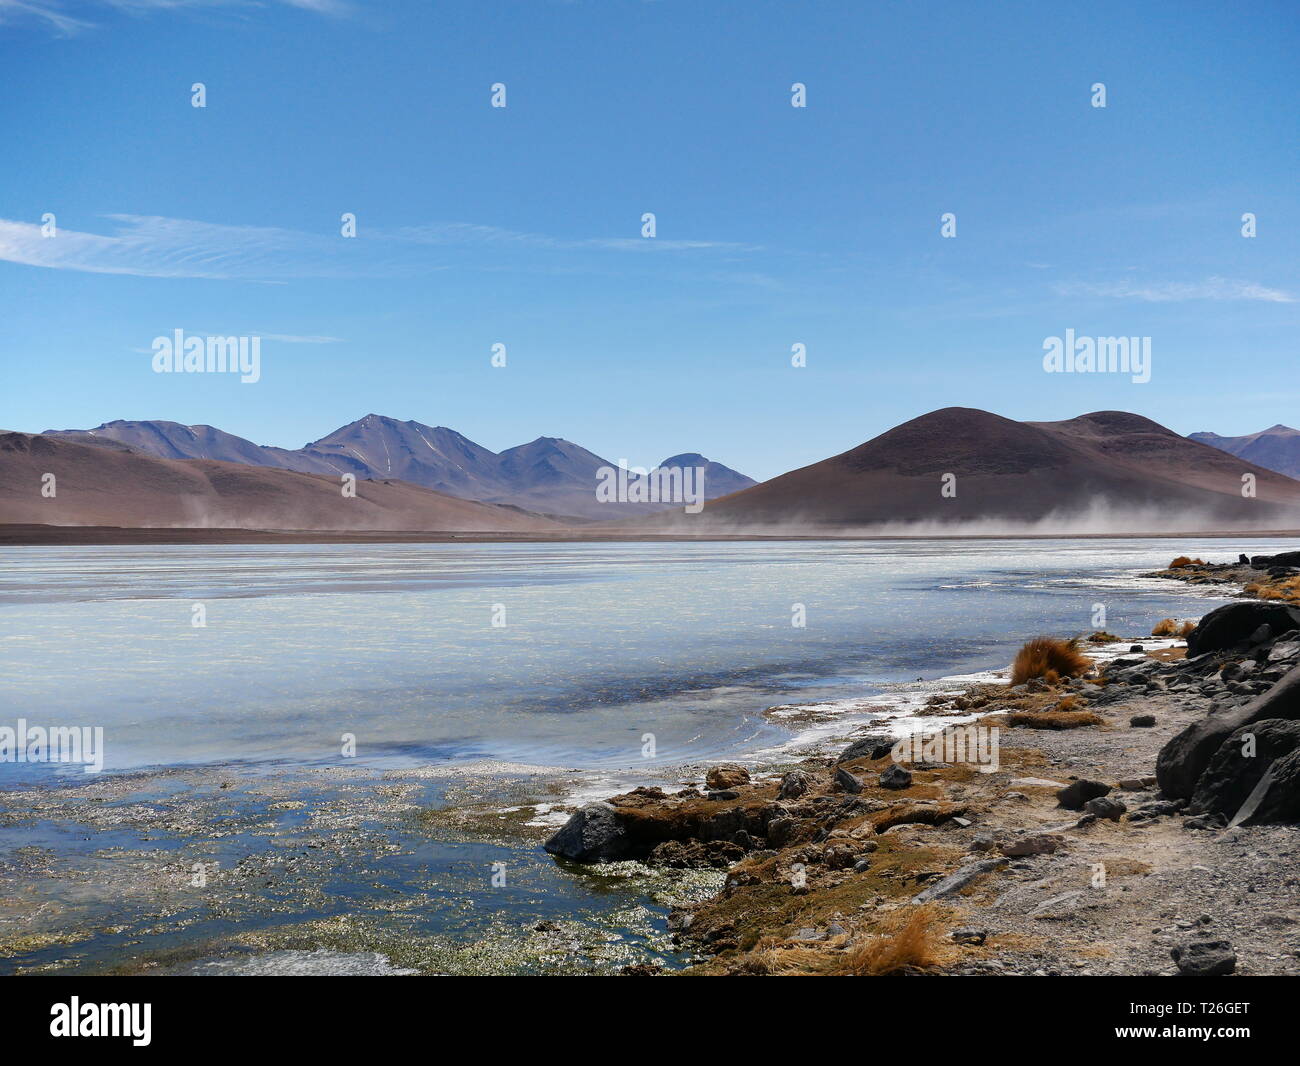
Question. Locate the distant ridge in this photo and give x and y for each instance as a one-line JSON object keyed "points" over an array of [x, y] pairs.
{"points": [[1276, 448], [549, 474], [96, 485]]}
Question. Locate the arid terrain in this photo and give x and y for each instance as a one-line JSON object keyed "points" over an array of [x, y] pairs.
{"points": [[1071, 857]]}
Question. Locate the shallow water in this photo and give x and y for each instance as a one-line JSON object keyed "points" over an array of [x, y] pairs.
{"points": [[325, 864], [599, 646]]}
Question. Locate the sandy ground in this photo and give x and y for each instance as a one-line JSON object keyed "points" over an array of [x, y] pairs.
{"points": [[1164, 884]]}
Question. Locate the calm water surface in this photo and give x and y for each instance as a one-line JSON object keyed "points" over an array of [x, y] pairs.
{"points": [[601, 643]]}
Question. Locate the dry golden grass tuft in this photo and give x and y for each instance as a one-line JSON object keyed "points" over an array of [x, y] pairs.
{"points": [[908, 941], [777, 957], [1287, 590], [1185, 630], [1049, 658], [1053, 719], [915, 942], [1166, 627], [1183, 561], [1102, 637]]}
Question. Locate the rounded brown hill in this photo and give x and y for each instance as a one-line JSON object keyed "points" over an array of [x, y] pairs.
{"points": [[1109, 470]]}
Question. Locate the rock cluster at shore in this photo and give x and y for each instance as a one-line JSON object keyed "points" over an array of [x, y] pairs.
{"points": [[819, 857]]}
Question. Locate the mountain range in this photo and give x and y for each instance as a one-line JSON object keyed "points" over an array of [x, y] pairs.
{"points": [[1276, 448], [51, 480], [549, 474], [956, 470]]}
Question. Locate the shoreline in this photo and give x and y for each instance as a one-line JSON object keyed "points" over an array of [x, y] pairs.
{"points": [[837, 868], [26, 535]]}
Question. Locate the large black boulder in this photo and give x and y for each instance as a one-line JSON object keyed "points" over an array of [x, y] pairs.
{"points": [[1235, 623], [593, 833], [1281, 559], [1182, 761], [1240, 762], [874, 746], [1281, 803]]}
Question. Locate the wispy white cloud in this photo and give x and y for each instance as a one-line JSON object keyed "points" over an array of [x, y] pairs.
{"points": [[290, 338], [67, 17], [158, 247], [467, 233], [51, 14], [150, 246], [1178, 291]]}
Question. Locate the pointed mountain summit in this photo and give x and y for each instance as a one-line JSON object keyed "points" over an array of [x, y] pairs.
{"points": [[719, 480], [549, 475]]}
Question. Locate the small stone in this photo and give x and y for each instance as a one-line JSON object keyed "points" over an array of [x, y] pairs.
{"points": [[1074, 796], [1035, 844], [1205, 958], [1142, 721], [725, 776], [895, 777], [1106, 807], [983, 842], [794, 784], [970, 935], [847, 781]]}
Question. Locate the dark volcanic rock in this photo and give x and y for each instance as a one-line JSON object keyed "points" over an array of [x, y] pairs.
{"points": [[593, 833], [895, 777], [1182, 761], [1106, 807], [847, 781], [794, 784], [1281, 559], [871, 747], [1281, 802], [1238, 765], [1075, 795], [1205, 958], [1142, 721], [1236, 623], [1158, 809]]}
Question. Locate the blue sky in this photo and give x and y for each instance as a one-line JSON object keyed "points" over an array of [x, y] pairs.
{"points": [[775, 225]]}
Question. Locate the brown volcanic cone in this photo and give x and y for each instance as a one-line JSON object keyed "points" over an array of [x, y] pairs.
{"points": [[1104, 471], [104, 486]]}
